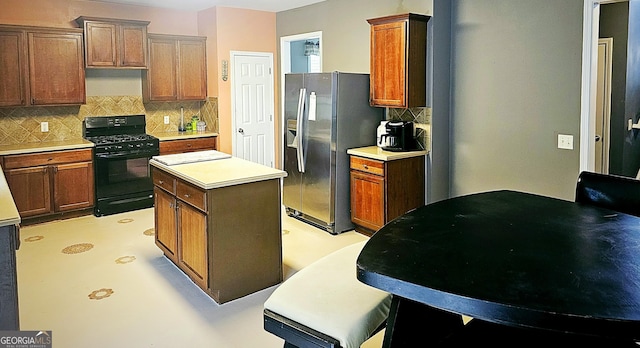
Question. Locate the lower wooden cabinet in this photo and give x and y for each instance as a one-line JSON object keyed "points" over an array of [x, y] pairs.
{"points": [[168, 147], [192, 258], [166, 223], [227, 239], [50, 182], [383, 190], [181, 233]]}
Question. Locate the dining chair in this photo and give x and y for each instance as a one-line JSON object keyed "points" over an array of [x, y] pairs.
{"points": [[613, 192]]}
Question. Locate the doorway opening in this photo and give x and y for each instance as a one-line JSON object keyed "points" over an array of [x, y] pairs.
{"points": [[603, 105], [590, 83], [298, 53]]}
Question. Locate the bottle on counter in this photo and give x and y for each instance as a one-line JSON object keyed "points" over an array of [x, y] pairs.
{"points": [[194, 122]]}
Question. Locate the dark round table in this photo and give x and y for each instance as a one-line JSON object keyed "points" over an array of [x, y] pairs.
{"points": [[510, 260]]}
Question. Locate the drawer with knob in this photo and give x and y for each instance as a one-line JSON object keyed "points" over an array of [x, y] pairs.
{"points": [[164, 181], [192, 195], [367, 165], [168, 147], [46, 158]]}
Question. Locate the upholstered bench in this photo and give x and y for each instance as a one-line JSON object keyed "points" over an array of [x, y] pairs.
{"points": [[324, 305]]}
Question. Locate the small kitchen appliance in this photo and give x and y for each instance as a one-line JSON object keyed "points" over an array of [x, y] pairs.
{"points": [[398, 137]]}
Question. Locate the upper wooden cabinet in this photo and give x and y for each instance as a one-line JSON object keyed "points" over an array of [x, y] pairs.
{"points": [[177, 68], [114, 43], [13, 67], [398, 61], [41, 66]]}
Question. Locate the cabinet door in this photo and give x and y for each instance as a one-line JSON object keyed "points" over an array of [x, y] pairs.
{"points": [[367, 200], [73, 186], [133, 46], [56, 68], [192, 70], [101, 44], [388, 57], [192, 239], [13, 65], [30, 189], [165, 223], [160, 82]]}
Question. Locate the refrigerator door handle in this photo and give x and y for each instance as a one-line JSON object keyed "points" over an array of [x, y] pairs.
{"points": [[300, 133]]}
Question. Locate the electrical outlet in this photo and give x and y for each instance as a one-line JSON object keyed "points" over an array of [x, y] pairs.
{"points": [[44, 127], [565, 141], [166, 120]]}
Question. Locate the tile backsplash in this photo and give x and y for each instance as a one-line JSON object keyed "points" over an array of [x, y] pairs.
{"points": [[22, 124], [421, 118]]}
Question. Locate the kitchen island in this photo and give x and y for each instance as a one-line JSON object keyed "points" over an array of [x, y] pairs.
{"points": [[9, 243], [218, 218]]}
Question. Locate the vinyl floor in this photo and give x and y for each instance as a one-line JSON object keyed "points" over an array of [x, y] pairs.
{"points": [[102, 282]]}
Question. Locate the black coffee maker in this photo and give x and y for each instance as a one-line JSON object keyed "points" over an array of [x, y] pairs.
{"points": [[399, 136]]}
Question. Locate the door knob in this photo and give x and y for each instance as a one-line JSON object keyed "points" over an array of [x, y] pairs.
{"points": [[597, 138], [240, 130]]}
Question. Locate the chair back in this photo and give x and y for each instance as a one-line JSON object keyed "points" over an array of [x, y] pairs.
{"points": [[613, 192]]}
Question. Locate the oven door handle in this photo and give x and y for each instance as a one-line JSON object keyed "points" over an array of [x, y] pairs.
{"points": [[125, 155]]}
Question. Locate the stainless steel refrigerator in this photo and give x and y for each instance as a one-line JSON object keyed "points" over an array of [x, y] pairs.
{"points": [[325, 114]]}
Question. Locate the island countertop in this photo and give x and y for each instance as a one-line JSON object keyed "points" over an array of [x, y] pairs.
{"points": [[220, 172], [8, 212]]}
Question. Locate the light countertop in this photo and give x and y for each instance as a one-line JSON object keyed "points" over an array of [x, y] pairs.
{"points": [[374, 152], [16, 149], [221, 172], [183, 135], [8, 212]]}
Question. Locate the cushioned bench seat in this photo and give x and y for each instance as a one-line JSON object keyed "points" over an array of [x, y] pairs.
{"points": [[324, 305]]}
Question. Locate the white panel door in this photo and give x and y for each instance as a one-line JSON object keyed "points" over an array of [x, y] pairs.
{"points": [[253, 94]]}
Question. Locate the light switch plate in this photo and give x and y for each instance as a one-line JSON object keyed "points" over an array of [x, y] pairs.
{"points": [[565, 141], [44, 127]]}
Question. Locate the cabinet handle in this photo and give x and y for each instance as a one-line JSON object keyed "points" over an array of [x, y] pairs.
{"points": [[186, 195], [365, 166], [160, 182]]}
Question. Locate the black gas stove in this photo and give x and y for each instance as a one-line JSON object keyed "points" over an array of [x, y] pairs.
{"points": [[121, 160]]}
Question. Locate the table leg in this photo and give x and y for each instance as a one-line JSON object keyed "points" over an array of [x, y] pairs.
{"points": [[412, 324]]}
